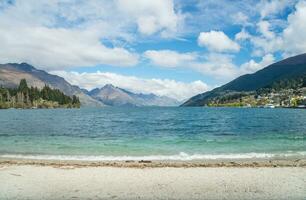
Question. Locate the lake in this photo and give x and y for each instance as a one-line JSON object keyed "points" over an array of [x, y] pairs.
{"points": [[155, 133]]}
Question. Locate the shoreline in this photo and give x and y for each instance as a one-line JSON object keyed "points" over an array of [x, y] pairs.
{"points": [[229, 163]]}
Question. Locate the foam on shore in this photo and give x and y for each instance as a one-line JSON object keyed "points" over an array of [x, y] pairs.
{"points": [[179, 157]]}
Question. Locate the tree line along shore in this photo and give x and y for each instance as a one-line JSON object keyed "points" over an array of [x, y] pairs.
{"points": [[26, 97]]}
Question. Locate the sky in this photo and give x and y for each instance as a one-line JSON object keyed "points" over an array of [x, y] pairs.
{"points": [[176, 48]]}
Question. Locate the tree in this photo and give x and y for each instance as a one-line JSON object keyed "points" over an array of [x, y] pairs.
{"points": [[75, 100], [23, 86]]}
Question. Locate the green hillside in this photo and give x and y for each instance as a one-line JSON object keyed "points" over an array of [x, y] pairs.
{"points": [[286, 74], [32, 97]]}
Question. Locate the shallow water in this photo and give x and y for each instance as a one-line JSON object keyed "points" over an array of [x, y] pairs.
{"points": [[152, 133]]}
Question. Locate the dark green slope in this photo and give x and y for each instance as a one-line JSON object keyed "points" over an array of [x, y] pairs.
{"points": [[289, 68], [12, 73]]}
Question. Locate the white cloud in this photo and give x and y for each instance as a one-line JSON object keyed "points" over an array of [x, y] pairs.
{"points": [[241, 19], [168, 58], [294, 36], [219, 14], [162, 87], [59, 48], [217, 41], [264, 46], [242, 35], [147, 25], [218, 65], [290, 41], [264, 29], [29, 33], [59, 34], [252, 66], [151, 16], [267, 41], [269, 8]]}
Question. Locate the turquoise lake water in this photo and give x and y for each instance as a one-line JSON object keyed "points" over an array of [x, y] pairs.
{"points": [[152, 133]]}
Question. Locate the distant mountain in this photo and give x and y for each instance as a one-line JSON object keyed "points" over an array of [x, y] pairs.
{"points": [[12, 73], [287, 69], [115, 96]]}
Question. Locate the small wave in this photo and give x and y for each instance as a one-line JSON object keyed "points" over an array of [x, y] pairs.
{"points": [[179, 157], [225, 134]]}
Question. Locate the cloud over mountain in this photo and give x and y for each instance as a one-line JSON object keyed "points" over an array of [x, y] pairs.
{"points": [[162, 87]]}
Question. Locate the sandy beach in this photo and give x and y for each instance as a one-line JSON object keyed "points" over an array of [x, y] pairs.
{"points": [[70, 180]]}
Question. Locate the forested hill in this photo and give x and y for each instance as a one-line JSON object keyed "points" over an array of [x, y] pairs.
{"points": [[32, 97], [287, 73], [12, 73]]}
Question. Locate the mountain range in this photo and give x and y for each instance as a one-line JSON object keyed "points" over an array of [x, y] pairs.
{"points": [[285, 70], [109, 95], [115, 96]]}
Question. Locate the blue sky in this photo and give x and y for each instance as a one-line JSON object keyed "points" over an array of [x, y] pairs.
{"points": [[177, 48]]}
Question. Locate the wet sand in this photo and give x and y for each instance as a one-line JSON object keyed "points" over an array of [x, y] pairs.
{"points": [[240, 163]]}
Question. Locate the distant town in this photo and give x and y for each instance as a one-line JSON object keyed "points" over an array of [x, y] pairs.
{"points": [[286, 98]]}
